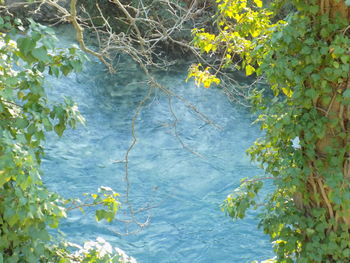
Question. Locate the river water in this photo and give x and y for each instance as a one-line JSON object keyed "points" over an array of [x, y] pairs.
{"points": [[180, 170]]}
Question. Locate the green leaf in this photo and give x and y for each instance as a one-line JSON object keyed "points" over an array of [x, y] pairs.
{"points": [[3, 178], [346, 252], [314, 9], [13, 219], [312, 93], [76, 64], [21, 123], [26, 45], [41, 54], [49, 42], [54, 71], [59, 129], [47, 124], [346, 94], [66, 70], [100, 214]]}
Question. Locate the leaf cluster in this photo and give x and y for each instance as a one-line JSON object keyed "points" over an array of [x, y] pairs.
{"points": [[27, 208], [305, 60]]}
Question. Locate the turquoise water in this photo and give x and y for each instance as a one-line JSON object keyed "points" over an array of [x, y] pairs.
{"points": [[177, 192]]}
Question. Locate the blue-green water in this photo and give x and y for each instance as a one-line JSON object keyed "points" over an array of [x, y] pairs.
{"points": [[182, 191]]}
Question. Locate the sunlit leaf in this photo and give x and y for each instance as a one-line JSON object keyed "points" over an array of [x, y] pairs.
{"points": [[258, 3], [249, 70], [288, 92]]}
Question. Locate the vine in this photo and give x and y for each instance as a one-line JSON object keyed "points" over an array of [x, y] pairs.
{"points": [[305, 60], [27, 208]]}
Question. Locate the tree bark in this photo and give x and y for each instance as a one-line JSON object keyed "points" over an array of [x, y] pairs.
{"points": [[334, 111]]}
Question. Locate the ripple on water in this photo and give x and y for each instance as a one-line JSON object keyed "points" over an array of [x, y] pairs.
{"points": [[184, 190]]}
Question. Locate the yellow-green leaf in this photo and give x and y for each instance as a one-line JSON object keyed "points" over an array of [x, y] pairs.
{"points": [[258, 3], [208, 47], [3, 178], [288, 92], [249, 70]]}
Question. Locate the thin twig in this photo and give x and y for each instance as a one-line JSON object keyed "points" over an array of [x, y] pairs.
{"points": [[177, 134]]}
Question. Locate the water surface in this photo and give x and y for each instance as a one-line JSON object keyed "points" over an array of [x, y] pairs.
{"points": [[182, 191]]}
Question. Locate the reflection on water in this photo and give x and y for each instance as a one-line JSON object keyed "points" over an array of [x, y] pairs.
{"points": [[183, 190]]}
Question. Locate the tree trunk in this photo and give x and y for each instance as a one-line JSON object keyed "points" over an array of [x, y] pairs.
{"points": [[337, 112]]}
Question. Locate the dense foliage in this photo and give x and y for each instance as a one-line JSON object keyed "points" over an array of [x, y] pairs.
{"points": [[27, 208], [305, 59], [306, 148]]}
